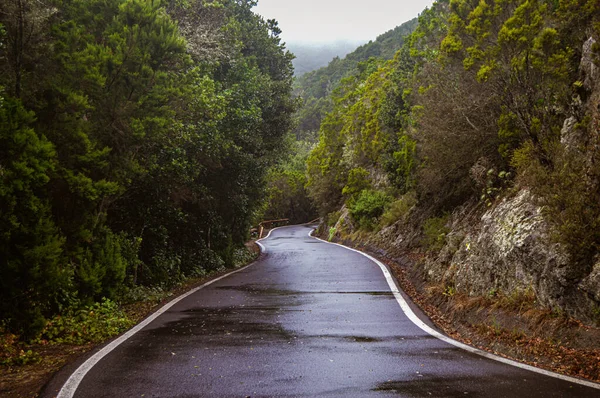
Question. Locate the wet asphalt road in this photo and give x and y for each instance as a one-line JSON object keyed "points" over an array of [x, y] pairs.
{"points": [[308, 320]]}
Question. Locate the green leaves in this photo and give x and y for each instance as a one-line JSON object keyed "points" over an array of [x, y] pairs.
{"points": [[140, 166], [30, 244], [368, 207]]}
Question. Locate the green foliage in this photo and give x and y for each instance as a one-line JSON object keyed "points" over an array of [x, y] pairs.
{"points": [[449, 291], [398, 209], [327, 175], [358, 181], [136, 137], [90, 324], [402, 165], [332, 232], [15, 353], [141, 293], [30, 244], [316, 87], [359, 136], [243, 256], [333, 217], [435, 230], [286, 185], [494, 185], [366, 209]]}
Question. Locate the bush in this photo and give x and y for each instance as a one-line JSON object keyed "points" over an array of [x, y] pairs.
{"points": [[13, 352], [398, 209], [91, 324], [358, 180], [133, 294], [368, 207], [243, 256], [435, 231]]}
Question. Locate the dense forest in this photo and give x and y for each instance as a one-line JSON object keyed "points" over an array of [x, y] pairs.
{"points": [[287, 182], [135, 139], [485, 98], [141, 139], [315, 88]]}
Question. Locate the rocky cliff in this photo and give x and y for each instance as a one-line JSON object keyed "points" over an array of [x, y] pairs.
{"points": [[507, 248]]}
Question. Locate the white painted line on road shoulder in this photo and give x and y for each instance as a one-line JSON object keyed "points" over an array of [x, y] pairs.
{"points": [[262, 247], [417, 321], [70, 386]]}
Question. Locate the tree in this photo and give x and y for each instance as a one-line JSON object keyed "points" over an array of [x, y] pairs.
{"points": [[34, 276]]}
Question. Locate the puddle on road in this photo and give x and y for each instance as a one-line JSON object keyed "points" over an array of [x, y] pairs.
{"points": [[231, 326], [363, 339], [451, 387]]}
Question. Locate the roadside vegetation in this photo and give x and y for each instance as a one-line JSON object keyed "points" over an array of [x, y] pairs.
{"points": [[140, 140], [483, 102], [471, 109], [135, 141], [26, 366]]}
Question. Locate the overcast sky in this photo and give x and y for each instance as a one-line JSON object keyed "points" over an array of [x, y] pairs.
{"points": [[318, 21]]}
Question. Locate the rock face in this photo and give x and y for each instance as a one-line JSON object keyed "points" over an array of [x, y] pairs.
{"points": [[509, 248], [507, 251], [588, 67]]}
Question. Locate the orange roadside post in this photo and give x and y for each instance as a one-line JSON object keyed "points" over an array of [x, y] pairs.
{"points": [[270, 225]]}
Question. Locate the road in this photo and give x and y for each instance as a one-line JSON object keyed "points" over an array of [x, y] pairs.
{"points": [[309, 319]]}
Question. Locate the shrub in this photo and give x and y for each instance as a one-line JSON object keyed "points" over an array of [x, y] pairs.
{"points": [[129, 295], [368, 207], [332, 232], [333, 218], [398, 209], [358, 180], [435, 231], [94, 323], [243, 256]]}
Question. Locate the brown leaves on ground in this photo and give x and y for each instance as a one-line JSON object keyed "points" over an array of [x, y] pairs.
{"points": [[512, 327]]}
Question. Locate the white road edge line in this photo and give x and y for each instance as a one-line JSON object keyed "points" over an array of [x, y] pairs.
{"points": [[417, 321], [263, 249], [68, 389]]}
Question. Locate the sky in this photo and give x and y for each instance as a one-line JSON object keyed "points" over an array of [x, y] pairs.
{"points": [[326, 21]]}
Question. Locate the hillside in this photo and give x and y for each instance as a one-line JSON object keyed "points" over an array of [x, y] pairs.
{"points": [[471, 160], [309, 57], [314, 87], [320, 83], [135, 141], [477, 147]]}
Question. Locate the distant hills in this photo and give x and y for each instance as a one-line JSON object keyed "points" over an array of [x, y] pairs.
{"points": [[318, 83], [315, 86], [310, 57]]}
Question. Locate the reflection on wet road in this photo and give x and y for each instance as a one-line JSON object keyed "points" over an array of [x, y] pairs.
{"points": [[308, 320]]}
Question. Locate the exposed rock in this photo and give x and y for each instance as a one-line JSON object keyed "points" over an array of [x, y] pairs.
{"points": [[588, 66], [509, 250], [570, 136], [344, 224], [591, 284]]}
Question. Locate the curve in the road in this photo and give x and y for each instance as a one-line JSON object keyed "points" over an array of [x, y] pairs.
{"points": [[70, 386], [426, 328], [278, 250]]}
